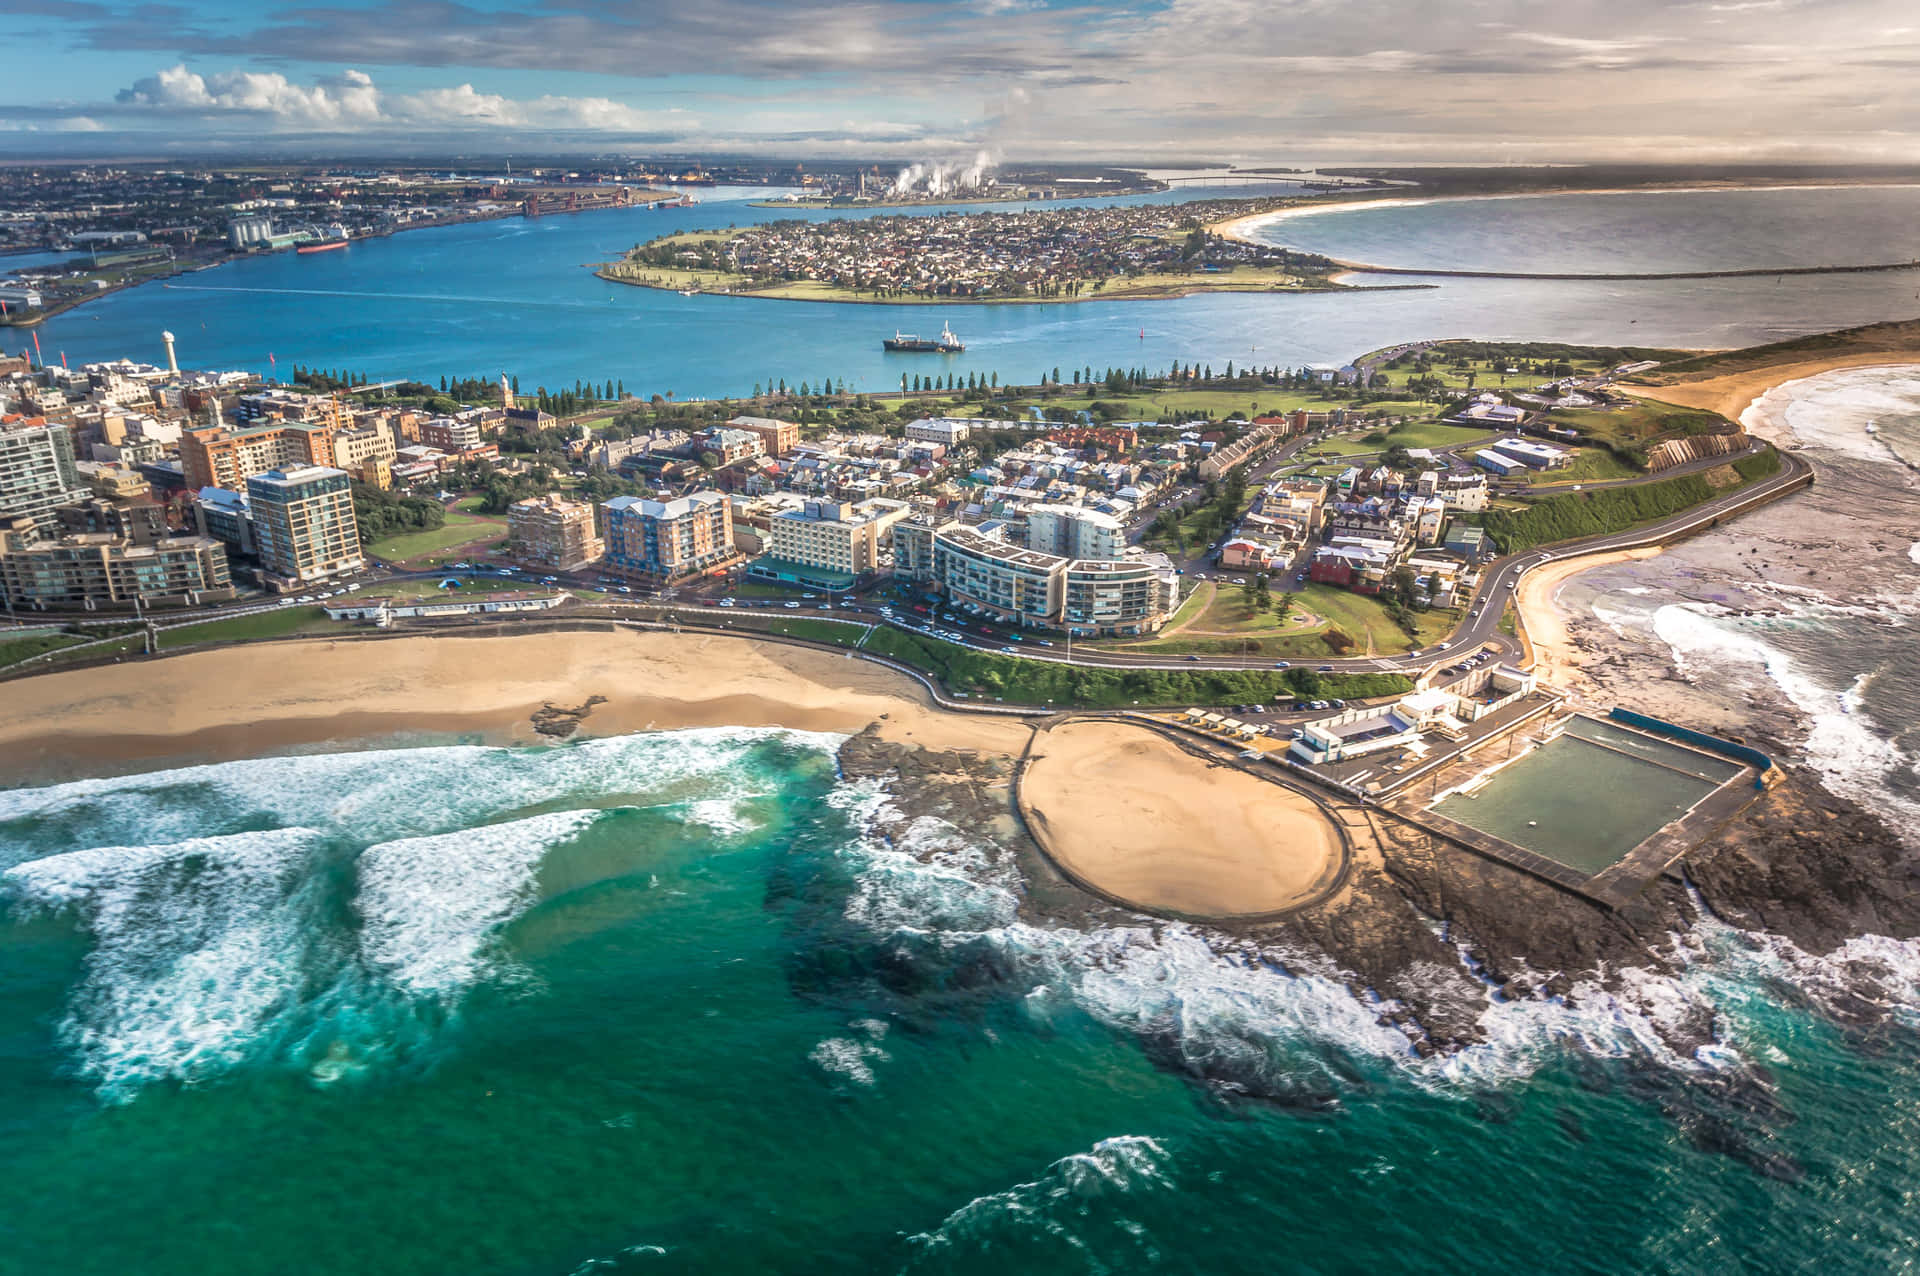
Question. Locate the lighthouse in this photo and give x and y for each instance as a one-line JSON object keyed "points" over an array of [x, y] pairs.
{"points": [[173, 364]]}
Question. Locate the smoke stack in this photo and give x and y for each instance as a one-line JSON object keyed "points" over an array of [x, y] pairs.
{"points": [[173, 364]]}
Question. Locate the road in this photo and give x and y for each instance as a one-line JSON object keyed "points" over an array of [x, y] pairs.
{"points": [[1481, 629]]}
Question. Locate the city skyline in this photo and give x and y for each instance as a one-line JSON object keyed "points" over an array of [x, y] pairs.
{"points": [[1189, 80]]}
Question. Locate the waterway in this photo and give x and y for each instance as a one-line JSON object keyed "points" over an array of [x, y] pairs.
{"points": [[520, 296]]}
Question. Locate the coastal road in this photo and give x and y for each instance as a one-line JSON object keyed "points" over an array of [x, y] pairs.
{"points": [[1481, 629]]}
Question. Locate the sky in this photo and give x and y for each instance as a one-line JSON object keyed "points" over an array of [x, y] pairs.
{"points": [[1176, 81]]}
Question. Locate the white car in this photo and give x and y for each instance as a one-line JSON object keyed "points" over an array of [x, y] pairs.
{"points": [[791, 606]]}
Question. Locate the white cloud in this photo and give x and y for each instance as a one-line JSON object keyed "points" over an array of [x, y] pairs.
{"points": [[351, 100]]}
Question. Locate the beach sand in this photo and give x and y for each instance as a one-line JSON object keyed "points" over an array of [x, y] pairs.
{"points": [[1733, 394], [265, 698], [1147, 823], [1556, 657]]}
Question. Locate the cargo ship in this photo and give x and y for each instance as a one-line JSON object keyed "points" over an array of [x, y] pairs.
{"points": [[945, 343], [325, 246]]}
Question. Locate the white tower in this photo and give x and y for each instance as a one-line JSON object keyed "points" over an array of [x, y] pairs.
{"points": [[173, 364]]}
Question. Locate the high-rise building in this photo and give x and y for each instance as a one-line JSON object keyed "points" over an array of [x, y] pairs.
{"points": [[303, 524], [1073, 532], [546, 531], [667, 540], [37, 473]]}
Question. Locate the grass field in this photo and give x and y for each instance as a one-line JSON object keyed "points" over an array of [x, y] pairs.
{"points": [[1590, 465], [461, 532], [272, 624], [14, 650], [1635, 424], [1227, 627]]}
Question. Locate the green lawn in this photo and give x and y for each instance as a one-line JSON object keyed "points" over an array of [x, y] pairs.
{"points": [[272, 624], [14, 650], [460, 532], [1639, 422], [1362, 617], [1590, 465]]}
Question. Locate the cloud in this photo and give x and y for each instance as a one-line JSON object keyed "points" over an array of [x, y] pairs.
{"points": [[1200, 79], [350, 101]]}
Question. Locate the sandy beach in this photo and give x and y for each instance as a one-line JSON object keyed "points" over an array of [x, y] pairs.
{"points": [[261, 698], [1557, 658], [1147, 823], [1733, 394]]}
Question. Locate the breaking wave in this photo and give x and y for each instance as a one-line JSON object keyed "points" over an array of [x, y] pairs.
{"points": [[1060, 1206], [347, 930]]}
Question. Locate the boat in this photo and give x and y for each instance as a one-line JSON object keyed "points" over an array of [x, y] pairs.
{"points": [[324, 247], [945, 343]]}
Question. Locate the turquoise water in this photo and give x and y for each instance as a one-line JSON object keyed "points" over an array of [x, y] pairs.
{"points": [[671, 1003], [516, 295]]}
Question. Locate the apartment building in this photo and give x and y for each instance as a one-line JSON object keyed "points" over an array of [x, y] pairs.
{"points": [[668, 540], [1016, 585], [546, 531], [1072, 531], [227, 456], [37, 469], [777, 437], [947, 430], [303, 525], [837, 537], [93, 569], [451, 434], [367, 452], [719, 446]]}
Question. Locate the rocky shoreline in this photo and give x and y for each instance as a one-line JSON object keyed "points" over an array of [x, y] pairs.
{"points": [[1437, 933]]}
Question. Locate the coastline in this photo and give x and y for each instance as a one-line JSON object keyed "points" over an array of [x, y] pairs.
{"points": [[248, 700], [1557, 657], [1236, 228], [1733, 393], [849, 299]]}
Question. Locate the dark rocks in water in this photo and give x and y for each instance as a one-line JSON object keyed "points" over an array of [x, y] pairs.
{"points": [[1570, 1124], [557, 722]]}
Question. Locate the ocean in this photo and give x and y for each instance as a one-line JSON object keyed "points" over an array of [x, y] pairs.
{"points": [[690, 1001], [519, 296]]}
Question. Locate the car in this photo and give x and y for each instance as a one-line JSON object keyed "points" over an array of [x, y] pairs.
{"points": [[1326, 669], [809, 595], [1339, 704], [1194, 659], [1297, 734], [626, 589], [549, 580], [791, 606], [1282, 664], [1006, 651], [826, 607], [1442, 646], [284, 602], [1043, 642]]}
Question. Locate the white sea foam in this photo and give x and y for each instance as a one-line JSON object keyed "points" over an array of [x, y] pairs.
{"points": [[200, 948], [848, 1057], [1841, 744], [384, 793], [1055, 1204], [431, 906]]}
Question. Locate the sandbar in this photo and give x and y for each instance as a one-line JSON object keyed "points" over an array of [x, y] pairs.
{"points": [[1130, 814]]}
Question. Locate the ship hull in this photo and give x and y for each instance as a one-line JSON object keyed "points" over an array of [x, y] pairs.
{"points": [[320, 248]]}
